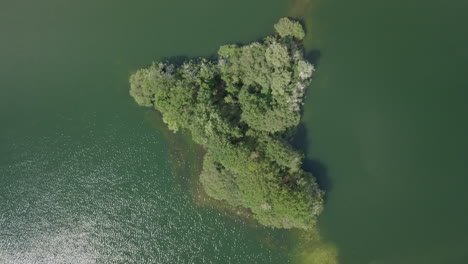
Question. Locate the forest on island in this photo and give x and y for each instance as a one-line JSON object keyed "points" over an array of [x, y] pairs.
{"points": [[243, 107]]}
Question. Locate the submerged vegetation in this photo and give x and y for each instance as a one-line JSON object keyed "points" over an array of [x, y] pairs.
{"points": [[243, 108]]}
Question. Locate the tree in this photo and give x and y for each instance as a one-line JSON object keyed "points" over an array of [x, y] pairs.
{"points": [[287, 27]]}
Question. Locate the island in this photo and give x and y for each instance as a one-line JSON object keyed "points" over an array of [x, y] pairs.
{"points": [[243, 107]]}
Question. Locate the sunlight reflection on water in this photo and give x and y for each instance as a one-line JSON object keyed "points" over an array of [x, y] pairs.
{"points": [[110, 199]]}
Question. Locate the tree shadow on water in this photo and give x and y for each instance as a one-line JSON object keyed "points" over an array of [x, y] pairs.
{"points": [[315, 166], [176, 60], [313, 56], [181, 59]]}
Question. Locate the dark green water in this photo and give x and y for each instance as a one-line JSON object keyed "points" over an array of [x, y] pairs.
{"points": [[88, 177], [387, 117]]}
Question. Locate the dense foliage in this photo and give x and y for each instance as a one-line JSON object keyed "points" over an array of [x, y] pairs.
{"points": [[242, 107]]}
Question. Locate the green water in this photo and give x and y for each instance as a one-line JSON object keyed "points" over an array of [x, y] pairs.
{"points": [[88, 177], [386, 117]]}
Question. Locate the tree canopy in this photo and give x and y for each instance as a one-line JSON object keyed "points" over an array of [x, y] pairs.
{"points": [[242, 107], [287, 27]]}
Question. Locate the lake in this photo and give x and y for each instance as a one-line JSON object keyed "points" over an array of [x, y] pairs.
{"points": [[87, 176]]}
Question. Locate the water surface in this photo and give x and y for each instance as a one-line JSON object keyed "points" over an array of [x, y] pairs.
{"points": [[386, 116]]}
